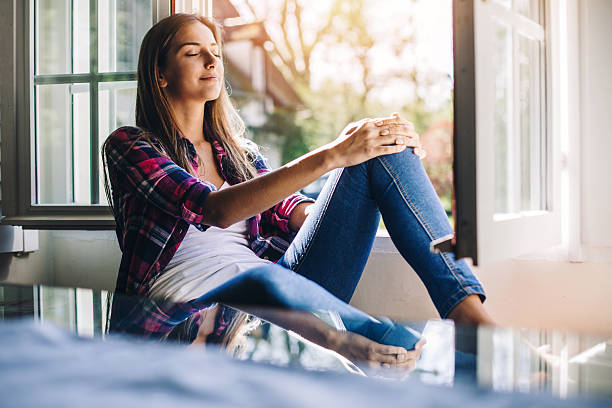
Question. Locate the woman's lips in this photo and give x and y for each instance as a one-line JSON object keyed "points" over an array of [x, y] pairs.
{"points": [[209, 78]]}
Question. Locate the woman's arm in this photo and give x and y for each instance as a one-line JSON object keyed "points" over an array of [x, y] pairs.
{"points": [[357, 143], [298, 216], [137, 168], [241, 201]]}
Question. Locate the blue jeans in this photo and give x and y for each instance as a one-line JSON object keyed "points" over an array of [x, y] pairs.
{"points": [[325, 260]]}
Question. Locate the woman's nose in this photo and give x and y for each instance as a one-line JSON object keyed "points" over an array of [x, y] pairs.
{"points": [[209, 60]]}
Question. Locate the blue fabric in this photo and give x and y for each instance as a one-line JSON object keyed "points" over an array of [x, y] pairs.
{"points": [[333, 245]]}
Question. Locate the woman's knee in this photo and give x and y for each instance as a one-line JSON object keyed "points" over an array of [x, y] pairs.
{"points": [[405, 156]]}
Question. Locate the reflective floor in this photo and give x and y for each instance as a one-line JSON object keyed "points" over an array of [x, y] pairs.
{"points": [[557, 363]]}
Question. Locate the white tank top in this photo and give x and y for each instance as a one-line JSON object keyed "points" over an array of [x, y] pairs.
{"points": [[205, 260]]}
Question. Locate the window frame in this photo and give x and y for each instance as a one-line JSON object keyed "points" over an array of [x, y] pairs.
{"points": [[478, 235], [17, 123]]}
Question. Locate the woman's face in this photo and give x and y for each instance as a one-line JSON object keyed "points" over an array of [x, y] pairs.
{"points": [[194, 70]]}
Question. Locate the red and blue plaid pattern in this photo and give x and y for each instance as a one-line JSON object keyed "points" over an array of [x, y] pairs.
{"points": [[155, 201]]}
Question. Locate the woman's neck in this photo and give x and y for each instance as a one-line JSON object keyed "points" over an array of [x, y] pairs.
{"points": [[190, 119]]}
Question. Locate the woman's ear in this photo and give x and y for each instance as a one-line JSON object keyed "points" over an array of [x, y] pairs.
{"points": [[161, 80]]}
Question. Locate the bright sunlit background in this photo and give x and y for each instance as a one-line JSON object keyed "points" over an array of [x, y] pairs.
{"points": [[350, 59], [298, 71]]}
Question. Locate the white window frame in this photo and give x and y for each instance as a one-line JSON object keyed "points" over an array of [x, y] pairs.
{"points": [[480, 234], [203, 7], [17, 126]]}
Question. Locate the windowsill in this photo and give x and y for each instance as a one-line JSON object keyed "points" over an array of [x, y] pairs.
{"points": [[383, 243], [62, 222]]}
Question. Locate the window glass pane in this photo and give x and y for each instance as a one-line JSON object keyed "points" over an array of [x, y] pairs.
{"points": [[61, 37], [53, 37], [117, 101], [80, 37], [529, 8], [502, 60], [57, 305], [530, 129], [122, 24], [81, 140], [62, 141]]}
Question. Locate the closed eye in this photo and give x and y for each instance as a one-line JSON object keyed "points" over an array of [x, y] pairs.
{"points": [[194, 55]]}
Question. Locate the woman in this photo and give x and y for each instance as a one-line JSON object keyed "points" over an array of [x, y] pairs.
{"points": [[185, 180]]}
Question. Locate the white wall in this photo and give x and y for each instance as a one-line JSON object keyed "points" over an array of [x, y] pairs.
{"points": [[87, 259], [34, 267], [596, 121]]}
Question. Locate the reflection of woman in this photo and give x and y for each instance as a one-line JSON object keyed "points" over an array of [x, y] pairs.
{"points": [[219, 324], [201, 218]]}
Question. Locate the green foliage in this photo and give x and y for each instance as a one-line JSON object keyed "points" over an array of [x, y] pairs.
{"points": [[334, 106], [350, 28]]}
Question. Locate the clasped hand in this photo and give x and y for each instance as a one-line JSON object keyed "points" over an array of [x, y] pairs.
{"points": [[369, 138], [361, 350]]}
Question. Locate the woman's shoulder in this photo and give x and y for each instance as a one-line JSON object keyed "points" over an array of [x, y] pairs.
{"points": [[132, 135], [125, 133]]}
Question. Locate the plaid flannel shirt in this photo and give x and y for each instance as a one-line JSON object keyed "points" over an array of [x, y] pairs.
{"points": [[155, 201]]}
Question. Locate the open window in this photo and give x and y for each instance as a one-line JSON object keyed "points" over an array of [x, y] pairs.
{"points": [[506, 139]]}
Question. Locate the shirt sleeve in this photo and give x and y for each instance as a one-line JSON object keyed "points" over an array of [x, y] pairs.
{"points": [[278, 215], [136, 166]]}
